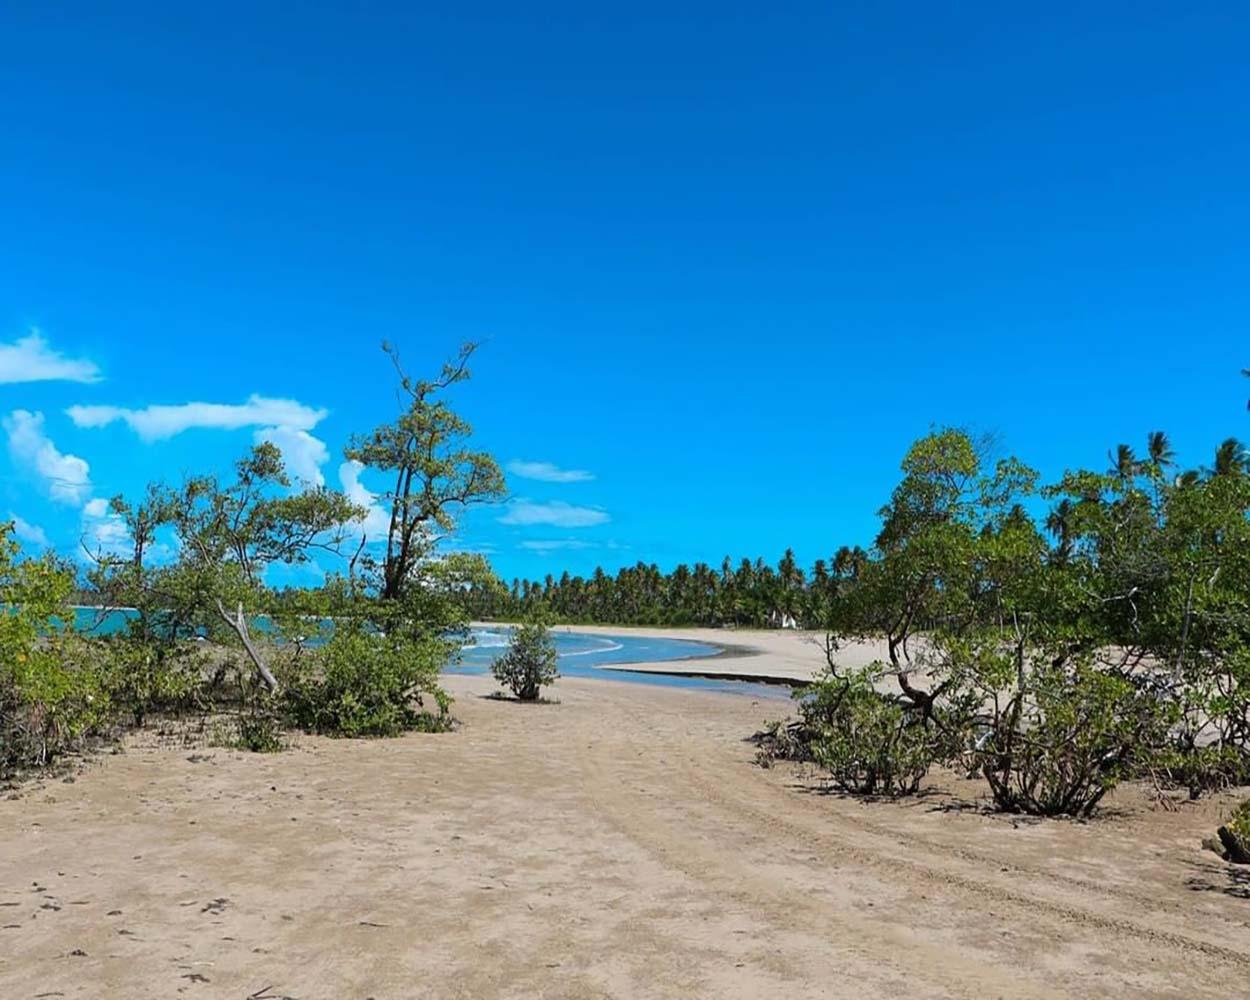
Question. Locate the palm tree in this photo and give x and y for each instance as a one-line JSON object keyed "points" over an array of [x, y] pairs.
{"points": [[1159, 449], [1231, 458], [1059, 524], [849, 561], [1124, 464]]}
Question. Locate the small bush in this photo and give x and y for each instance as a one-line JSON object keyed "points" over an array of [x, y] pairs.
{"points": [[530, 662], [1065, 741], [1201, 769], [257, 728], [51, 698], [362, 683], [869, 742], [47, 709], [1235, 835], [1239, 824], [143, 678]]}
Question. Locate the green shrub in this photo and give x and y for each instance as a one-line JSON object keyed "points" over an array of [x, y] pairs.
{"points": [[1240, 822], [1066, 739], [260, 734], [362, 683], [258, 726], [869, 743], [48, 706], [146, 677], [529, 663], [50, 694], [1201, 768], [1235, 835]]}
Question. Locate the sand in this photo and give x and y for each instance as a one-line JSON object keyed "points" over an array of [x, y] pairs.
{"points": [[751, 654], [620, 843]]}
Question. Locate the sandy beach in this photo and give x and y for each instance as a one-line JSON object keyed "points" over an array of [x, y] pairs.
{"points": [[792, 656], [619, 843]]}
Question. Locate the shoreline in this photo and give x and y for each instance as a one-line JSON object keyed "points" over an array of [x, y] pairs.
{"points": [[678, 667], [681, 667], [789, 657]]}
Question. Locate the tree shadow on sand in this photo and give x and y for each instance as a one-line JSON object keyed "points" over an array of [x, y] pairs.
{"points": [[504, 696], [1219, 876], [932, 798], [936, 799]]}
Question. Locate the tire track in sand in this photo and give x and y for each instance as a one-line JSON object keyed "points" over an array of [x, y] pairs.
{"points": [[884, 951], [894, 861], [725, 796]]}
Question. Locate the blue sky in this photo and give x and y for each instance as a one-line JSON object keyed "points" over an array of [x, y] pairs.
{"points": [[727, 261]]}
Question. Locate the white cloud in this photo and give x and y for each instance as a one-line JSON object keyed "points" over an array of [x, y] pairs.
{"points": [[155, 423], [29, 533], [302, 453], [67, 477], [30, 359], [467, 548], [308, 573], [104, 532], [377, 522], [548, 473], [553, 544], [556, 512]]}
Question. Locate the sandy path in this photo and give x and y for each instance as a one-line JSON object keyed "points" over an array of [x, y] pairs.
{"points": [[618, 844]]}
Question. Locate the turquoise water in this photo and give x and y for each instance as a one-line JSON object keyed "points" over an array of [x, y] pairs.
{"points": [[580, 655], [583, 655]]}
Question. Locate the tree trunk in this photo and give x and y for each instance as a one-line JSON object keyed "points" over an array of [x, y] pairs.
{"points": [[239, 625], [1237, 851]]}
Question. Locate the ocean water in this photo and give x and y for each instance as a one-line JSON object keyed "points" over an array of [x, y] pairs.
{"points": [[580, 654], [583, 655]]}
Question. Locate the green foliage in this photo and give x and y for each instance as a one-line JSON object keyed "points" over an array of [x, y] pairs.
{"points": [[192, 565], [126, 578], [144, 678], [50, 697], [258, 726], [259, 733], [1065, 740], [870, 743], [1239, 823], [751, 593], [363, 683], [1235, 835], [1054, 671], [1200, 768], [50, 701], [529, 664], [437, 475], [231, 533]]}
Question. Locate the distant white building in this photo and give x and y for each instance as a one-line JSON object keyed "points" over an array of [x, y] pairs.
{"points": [[779, 619]]}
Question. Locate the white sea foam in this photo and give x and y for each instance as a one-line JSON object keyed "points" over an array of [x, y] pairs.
{"points": [[610, 647], [482, 639], [488, 639]]}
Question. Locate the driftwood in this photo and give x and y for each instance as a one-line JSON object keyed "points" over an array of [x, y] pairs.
{"points": [[783, 741], [264, 994], [239, 624], [1237, 851]]}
